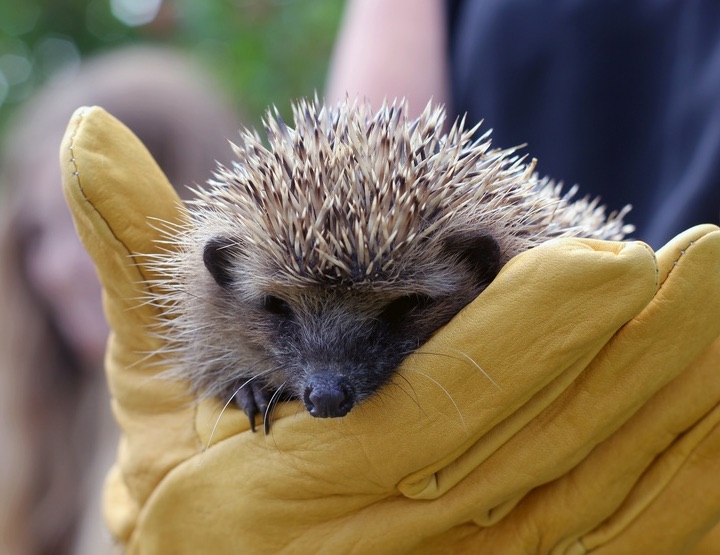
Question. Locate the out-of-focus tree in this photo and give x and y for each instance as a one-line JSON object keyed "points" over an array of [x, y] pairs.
{"points": [[264, 51]]}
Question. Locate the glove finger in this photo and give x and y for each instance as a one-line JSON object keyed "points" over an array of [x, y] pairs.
{"points": [[655, 476], [532, 336], [554, 517], [677, 500], [114, 190]]}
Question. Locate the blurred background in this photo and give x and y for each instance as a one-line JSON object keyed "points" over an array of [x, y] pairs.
{"points": [[184, 76], [261, 51]]}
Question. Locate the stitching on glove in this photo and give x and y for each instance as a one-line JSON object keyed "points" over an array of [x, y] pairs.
{"points": [[683, 251], [76, 173], [73, 160], [657, 265]]}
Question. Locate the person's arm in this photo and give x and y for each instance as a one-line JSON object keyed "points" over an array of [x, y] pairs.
{"points": [[391, 49]]}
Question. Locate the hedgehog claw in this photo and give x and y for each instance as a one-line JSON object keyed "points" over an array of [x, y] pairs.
{"points": [[253, 399]]}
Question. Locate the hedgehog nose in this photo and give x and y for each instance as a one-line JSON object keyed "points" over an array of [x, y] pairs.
{"points": [[328, 395]]}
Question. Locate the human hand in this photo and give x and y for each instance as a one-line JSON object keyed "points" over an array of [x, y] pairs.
{"points": [[571, 407]]}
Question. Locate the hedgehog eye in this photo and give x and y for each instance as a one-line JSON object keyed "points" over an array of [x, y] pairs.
{"points": [[277, 306], [404, 306]]}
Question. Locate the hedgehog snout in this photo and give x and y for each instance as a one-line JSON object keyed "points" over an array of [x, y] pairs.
{"points": [[328, 395]]}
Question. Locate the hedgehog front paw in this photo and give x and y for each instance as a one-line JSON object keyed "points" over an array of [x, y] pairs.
{"points": [[253, 398]]}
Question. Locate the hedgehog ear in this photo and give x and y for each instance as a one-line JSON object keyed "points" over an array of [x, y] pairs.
{"points": [[480, 251], [217, 257]]}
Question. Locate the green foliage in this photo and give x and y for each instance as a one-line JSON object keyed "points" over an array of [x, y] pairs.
{"points": [[264, 51]]}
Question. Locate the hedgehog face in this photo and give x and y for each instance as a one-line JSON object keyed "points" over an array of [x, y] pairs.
{"points": [[335, 348], [333, 345]]}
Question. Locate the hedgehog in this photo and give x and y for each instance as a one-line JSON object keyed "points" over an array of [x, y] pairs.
{"points": [[315, 263]]}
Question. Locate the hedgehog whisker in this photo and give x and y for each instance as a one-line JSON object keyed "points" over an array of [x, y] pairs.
{"points": [[414, 396], [464, 356], [232, 378], [217, 421], [476, 365], [447, 393], [274, 400], [227, 404]]}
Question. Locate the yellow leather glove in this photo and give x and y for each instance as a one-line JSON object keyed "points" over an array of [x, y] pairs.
{"points": [[572, 408]]}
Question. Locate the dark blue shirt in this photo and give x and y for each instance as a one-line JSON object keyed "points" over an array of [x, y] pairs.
{"points": [[621, 97]]}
